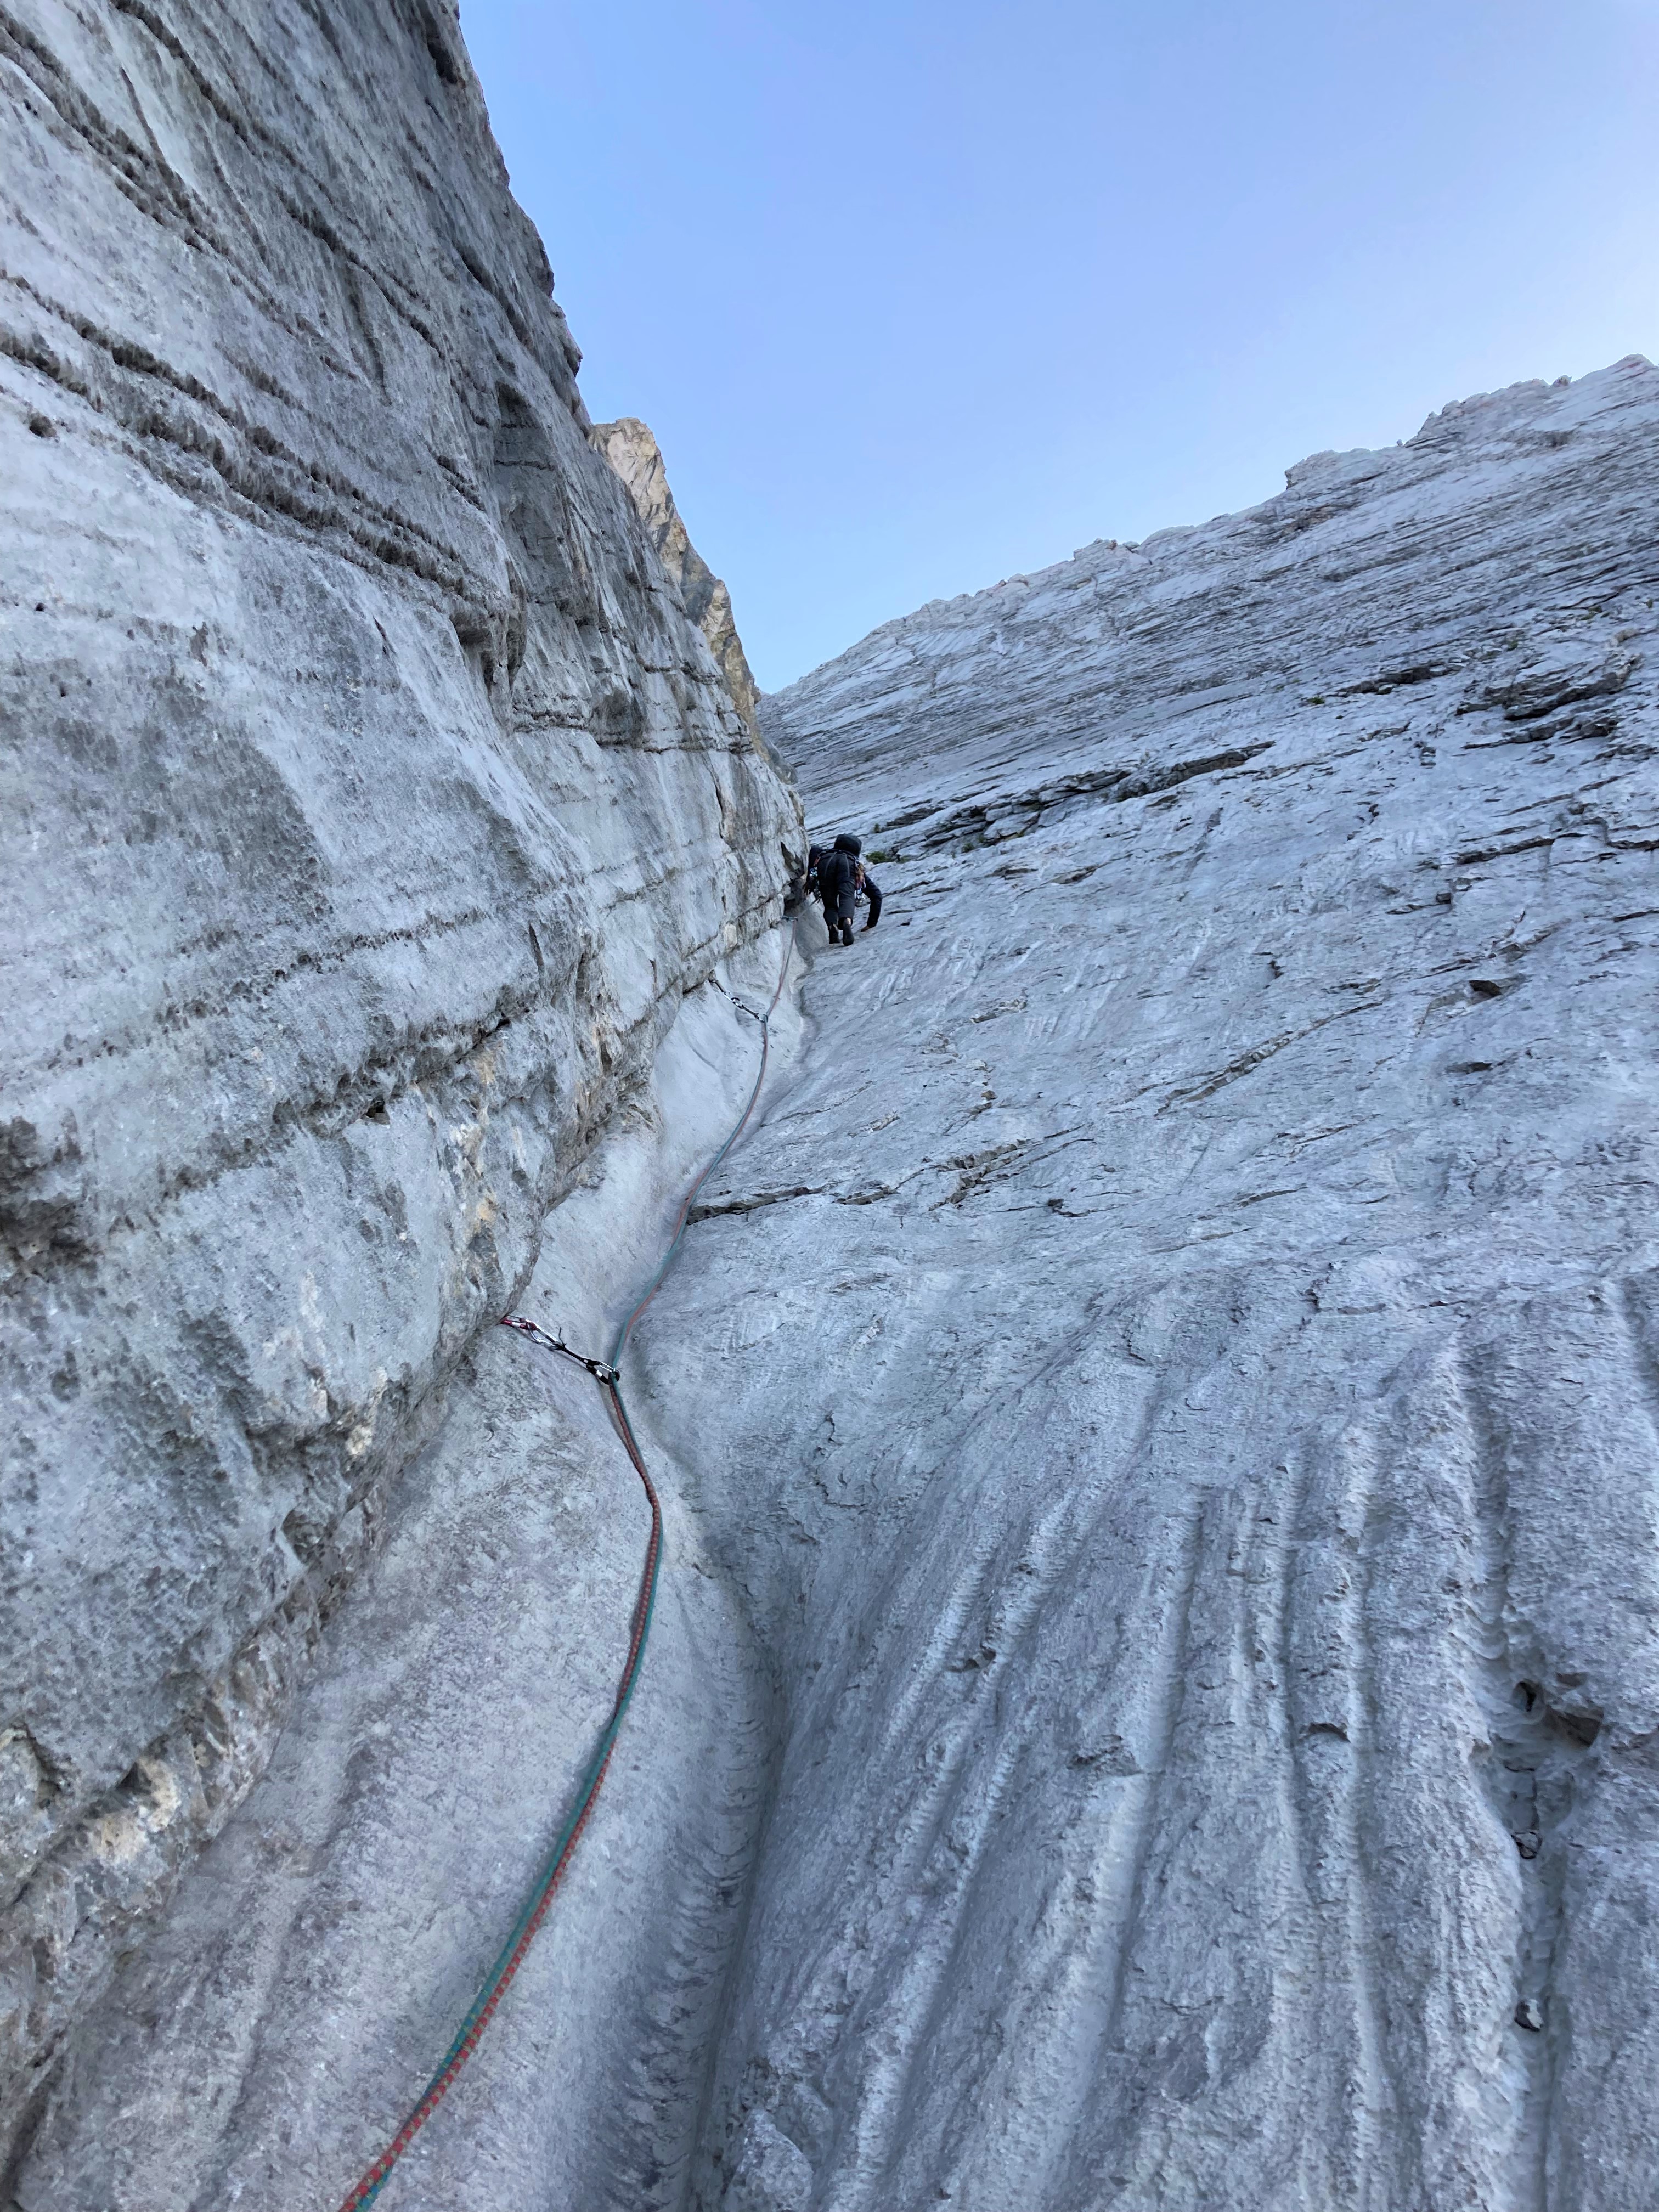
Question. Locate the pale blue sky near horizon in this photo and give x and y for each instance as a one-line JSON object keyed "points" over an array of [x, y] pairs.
{"points": [[917, 296]]}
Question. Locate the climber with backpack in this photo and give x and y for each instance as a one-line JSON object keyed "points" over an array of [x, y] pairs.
{"points": [[838, 877]]}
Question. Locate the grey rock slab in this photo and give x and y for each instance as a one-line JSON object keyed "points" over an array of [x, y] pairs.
{"points": [[370, 805], [316, 1961], [1159, 1424], [1156, 1420], [1210, 1562], [1481, 576]]}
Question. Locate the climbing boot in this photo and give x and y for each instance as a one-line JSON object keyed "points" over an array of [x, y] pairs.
{"points": [[847, 932]]}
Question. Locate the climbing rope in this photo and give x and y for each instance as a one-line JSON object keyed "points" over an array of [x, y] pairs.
{"points": [[607, 1373]]}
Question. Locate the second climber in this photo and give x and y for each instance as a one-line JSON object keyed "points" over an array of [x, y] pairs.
{"points": [[841, 880]]}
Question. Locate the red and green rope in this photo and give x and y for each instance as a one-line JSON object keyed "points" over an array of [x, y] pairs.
{"points": [[513, 1952]]}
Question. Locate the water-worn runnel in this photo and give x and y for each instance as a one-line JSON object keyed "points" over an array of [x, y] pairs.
{"points": [[1157, 1663], [1153, 1691], [1215, 1438]]}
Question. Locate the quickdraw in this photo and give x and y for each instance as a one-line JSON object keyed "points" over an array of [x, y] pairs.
{"points": [[596, 1368], [608, 1375]]}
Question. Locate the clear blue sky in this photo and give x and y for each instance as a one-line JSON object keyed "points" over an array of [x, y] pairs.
{"points": [[922, 293]]}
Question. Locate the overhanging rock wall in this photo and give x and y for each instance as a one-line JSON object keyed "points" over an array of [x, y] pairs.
{"points": [[370, 806]]}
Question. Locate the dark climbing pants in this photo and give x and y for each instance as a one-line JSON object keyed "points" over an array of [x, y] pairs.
{"points": [[838, 917]]}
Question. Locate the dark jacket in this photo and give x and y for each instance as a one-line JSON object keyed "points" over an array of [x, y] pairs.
{"points": [[841, 878], [838, 879]]}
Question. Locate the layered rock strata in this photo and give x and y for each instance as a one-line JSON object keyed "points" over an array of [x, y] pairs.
{"points": [[1157, 1668], [631, 450], [371, 805], [1463, 567], [263, 2047], [1159, 1643]]}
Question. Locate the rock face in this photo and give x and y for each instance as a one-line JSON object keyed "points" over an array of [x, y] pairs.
{"points": [[371, 807], [1155, 1683], [631, 450], [1047, 690], [1212, 1571], [315, 1962], [1158, 1661]]}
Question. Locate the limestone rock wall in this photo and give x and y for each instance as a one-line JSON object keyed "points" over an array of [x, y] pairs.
{"points": [[370, 805], [1214, 1569], [631, 450], [1156, 1680], [1491, 565], [1156, 1672]]}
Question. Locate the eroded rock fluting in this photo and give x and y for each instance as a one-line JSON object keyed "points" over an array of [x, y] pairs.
{"points": [[371, 806], [1154, 1695], [1209, 1550]]}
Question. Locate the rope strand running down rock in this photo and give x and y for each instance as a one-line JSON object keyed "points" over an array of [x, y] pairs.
{"points": [[513, 1952]]}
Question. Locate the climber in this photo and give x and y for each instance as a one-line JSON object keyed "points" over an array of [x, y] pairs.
{"points": [[840, 879]]}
